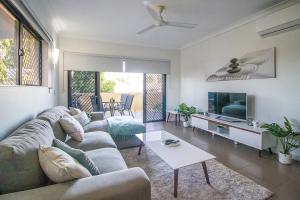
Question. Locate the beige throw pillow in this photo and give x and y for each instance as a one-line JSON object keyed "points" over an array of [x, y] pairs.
{"points": [[72, 127], [82, 118], [74, 111], [60, 166]]}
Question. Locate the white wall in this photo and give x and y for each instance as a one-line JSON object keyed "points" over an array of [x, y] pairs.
{"points": [[19, 104], [274, 98], [96, 47]]}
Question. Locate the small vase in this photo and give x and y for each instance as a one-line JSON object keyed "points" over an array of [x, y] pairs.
{"points": [[186, 124], [285, 158]]}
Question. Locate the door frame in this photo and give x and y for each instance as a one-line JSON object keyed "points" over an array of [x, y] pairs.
{"points": [[164, 103]]}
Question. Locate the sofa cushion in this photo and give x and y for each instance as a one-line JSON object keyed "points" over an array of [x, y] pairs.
{"points": [[52, 116], [79, 155], [107, 159], [93, 140], [60, 166], [99, 125], [72, 127], [74, 111], [82, 118], [19, 162]]}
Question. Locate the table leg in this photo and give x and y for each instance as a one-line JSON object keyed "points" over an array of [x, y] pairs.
{"points": [[168, 117], [140, 148], [111, 110], [205, 172], [175, 182]]}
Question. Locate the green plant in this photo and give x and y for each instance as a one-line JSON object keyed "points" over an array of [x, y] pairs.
{"points": [[7, 60], [186, 110], [106, 85], [288, 138]]}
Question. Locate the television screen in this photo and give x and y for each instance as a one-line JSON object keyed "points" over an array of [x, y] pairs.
{"points": [[228, 104]]}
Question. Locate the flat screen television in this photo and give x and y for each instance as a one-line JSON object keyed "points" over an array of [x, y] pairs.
{"points": [[232, 105]]}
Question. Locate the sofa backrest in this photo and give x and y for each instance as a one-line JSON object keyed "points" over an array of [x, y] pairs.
{"points": [[53, 115], [19, 162]]}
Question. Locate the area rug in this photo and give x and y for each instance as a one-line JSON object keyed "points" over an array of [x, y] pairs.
{"points": [[225, 183]]}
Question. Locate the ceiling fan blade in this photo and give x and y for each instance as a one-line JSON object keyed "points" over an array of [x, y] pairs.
{"points": [[146, 29], [154, 11], [180, 24]]}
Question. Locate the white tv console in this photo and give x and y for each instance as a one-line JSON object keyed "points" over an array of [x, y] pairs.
{"points": [[239, 132]]}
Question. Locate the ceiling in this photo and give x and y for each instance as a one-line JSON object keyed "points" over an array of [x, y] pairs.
{"points": [[118, 20]]}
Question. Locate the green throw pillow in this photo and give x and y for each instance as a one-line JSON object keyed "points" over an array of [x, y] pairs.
{"points": [[79, 155]]}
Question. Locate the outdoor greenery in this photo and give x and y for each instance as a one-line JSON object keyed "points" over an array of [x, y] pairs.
{"points": [[106, 85], [289, 139], [186, 110], [84, 82], [6, 59]]}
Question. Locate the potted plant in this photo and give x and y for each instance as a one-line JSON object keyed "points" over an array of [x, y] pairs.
{"points": [[186, 111], [288, 138]]}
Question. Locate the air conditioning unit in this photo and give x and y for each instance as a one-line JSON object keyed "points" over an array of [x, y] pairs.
{"points": [[281, 21]]}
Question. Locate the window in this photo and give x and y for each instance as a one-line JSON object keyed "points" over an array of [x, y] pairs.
{"points": [[20, 50], [30, 65], [8, 48]]}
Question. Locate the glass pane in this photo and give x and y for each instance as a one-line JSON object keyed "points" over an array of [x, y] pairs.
{"points": [[8, 58], [31, 59], [154, 107], [83, 88]]}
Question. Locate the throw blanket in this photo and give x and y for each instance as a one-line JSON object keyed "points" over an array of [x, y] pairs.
{"points": [[122, 126]]}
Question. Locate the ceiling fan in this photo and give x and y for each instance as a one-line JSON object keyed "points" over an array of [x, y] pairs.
{"points": [[156, 13]]}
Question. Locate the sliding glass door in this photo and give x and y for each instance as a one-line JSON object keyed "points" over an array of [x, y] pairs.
{"points": [[154, 108], [82, 86], [84, 92]]}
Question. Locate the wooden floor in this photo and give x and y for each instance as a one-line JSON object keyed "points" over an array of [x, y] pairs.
{"points": [[283, 180]]}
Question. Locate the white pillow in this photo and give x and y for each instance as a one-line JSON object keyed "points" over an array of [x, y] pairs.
{"points": [[82, 118], [72, 127], [60, 166], [74, 111]]}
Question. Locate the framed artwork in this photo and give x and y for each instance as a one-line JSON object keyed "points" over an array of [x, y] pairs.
{"points": [[254, 65]]}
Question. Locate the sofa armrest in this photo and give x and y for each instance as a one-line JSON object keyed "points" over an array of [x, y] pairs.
{"points": [[95, 116], [128, 184]]}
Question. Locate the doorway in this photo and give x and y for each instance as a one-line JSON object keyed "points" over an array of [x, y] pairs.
{"points": [[148, 91]]}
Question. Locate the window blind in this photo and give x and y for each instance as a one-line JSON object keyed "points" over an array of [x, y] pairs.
{"points": [[91, 62]]}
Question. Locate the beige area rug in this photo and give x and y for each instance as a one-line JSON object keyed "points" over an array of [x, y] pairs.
{"points": [[225, 183]]}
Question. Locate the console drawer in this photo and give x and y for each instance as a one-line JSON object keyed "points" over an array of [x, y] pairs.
{"points": [[200, 123], [246, 137]]}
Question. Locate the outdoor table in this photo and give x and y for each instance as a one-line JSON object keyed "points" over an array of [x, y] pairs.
{"points": [[111, 105]]}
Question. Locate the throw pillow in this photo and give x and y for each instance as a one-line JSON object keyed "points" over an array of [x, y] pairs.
{"points": [[74, 111], [60, 166], [79, 155], [82, 118], [72, 127]]}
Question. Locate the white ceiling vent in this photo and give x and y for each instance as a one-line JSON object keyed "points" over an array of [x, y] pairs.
{"points": [[284, 20]]}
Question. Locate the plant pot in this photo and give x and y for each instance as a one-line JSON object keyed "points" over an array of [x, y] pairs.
{"points": [[186, 124], [285, 158]]}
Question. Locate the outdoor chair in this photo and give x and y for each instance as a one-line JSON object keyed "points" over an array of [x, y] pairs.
{"points": [[97, 104], [120, 107], [128, 105]]}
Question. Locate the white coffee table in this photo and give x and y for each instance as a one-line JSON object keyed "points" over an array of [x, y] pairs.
{"points": [[176, 157]]}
